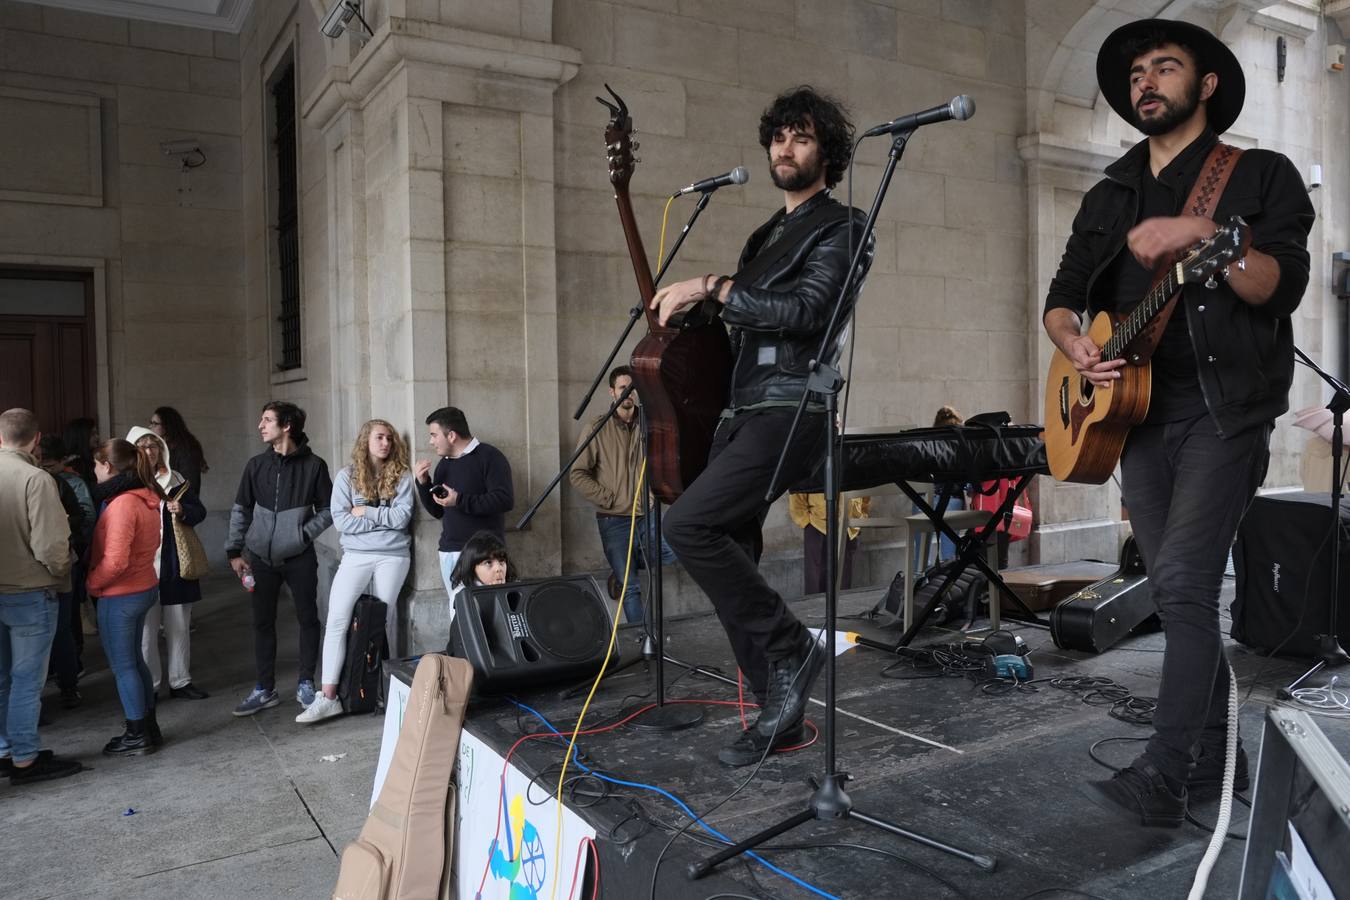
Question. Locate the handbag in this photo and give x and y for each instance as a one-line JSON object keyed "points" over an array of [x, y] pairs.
{"points": [[990, 497], [192, 562]]}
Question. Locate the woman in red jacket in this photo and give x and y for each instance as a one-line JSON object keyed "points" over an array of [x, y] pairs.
{"points": [[122, 575]]}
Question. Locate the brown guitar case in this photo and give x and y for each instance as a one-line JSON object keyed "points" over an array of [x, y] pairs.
{"points": [[402, 852]]}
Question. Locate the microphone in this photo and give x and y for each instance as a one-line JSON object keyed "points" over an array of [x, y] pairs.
{"points": [[738, 175], [961, 107]]}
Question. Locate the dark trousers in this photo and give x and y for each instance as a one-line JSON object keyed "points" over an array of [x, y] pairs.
{"points": [[301, 575], [65, 658], [1187, 489], [813, 562], [715, 530]]}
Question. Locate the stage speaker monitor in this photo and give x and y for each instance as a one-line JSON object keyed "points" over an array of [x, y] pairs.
{"points": [[531, 632], [1283, 565]]}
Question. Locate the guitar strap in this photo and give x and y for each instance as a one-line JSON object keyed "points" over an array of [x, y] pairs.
{"points": [[1209, 187]]}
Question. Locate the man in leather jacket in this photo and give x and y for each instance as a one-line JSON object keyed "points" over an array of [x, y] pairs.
{"points": [[1221, 372], [777, 317]]}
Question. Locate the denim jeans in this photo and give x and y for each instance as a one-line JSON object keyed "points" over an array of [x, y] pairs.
{"points": [[614, 539], [121, 620], [1187, 489], [27, 623]]}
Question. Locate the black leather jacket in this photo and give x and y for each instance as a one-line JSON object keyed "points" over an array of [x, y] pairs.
{"points": [[777, 320], [1244, 354]]}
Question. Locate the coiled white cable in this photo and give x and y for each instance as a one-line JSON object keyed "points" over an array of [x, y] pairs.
{"points": [[1226, 798]]}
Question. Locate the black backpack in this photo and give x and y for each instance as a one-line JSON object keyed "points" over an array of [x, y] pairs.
{"points": [[964, 598], [367, 649]]}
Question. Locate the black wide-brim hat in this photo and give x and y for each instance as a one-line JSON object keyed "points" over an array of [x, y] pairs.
{"points": [[1114, 59]]}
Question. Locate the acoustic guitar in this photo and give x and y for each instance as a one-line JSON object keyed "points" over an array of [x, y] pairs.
{"points": [[1085, 424], [683, 369]]}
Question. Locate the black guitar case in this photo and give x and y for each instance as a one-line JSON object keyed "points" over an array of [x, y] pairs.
{"points": [[1098, 616]]}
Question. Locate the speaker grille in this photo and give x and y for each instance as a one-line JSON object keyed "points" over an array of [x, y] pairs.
{"points": [[567, 621]]}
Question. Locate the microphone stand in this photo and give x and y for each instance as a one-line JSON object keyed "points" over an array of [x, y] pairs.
{"points": [[662, 717], [830, 801], [1330, 654]]}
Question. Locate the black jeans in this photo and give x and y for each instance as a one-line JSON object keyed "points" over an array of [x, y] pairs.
{"points": [[715, 530], [301, 575], [1186, 490]]}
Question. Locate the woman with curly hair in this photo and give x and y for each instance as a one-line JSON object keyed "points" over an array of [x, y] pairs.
{"points": [[372, 511]]}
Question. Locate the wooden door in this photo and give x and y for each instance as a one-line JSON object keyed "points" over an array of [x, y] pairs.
{"points": [[46, 361]]}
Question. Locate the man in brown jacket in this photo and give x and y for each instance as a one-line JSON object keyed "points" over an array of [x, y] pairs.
{"points": [[606, 474], [34, 564]]}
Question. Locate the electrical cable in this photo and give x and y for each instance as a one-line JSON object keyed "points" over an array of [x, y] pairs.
{"points": [[694, 817], [1226, 798], [613, 637]]}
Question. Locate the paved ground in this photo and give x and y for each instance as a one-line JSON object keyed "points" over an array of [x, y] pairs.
{"points": [[229, 808]]}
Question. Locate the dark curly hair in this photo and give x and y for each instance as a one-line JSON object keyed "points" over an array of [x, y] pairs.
{"points": [[1158, 37], [803, 106]]}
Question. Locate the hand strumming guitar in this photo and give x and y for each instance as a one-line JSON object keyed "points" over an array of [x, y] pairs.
{"points": [[1160, 238]]}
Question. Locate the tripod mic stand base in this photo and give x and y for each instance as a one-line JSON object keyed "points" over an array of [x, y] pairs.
{"points": [[668, 717], [1330, 655]]}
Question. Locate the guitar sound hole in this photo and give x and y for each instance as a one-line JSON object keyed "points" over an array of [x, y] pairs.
{"points": [[1085, 391]]}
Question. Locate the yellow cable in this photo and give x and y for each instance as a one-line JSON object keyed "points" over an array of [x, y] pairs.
{"points": [[613, 637], [661, 247]]}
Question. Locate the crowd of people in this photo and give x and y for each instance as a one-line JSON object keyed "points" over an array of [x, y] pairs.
{"points": [[91, 528]]}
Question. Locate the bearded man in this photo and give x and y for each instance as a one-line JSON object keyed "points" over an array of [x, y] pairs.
{"points": [[1221, 371], [778, 306]]}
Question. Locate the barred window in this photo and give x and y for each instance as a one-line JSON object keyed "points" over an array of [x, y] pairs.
{"points": [[286, 222]]}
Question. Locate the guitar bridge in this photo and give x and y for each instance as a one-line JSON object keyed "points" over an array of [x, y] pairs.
{"points": [[1064, 402]]}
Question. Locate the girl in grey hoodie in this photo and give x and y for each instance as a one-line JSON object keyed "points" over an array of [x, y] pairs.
{"points": [[372, 509]]}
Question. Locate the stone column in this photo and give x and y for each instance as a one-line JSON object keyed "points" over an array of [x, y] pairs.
{"points": [[1075, 521], [442, 232]]}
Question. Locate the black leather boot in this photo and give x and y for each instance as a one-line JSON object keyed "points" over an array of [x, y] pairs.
{"points": [[152, 729], [132, 742], [1206, 781], [782, 711]]}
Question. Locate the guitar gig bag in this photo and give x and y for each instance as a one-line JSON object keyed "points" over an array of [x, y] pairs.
{"points": [[403, 850]]}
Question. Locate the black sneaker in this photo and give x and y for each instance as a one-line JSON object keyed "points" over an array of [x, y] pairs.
{"points": [[1139, 791], [749, 747], [188, 691], [70, 698], [1206, 781], [45, 768]]}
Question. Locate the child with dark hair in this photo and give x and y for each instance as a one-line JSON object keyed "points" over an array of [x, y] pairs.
{"points": [[483, 560]]}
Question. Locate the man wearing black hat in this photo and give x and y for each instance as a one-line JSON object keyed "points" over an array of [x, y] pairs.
{"points": [[1221, 371]]}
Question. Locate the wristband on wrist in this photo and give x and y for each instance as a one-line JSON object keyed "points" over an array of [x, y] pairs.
{"points": [[717, 286]]}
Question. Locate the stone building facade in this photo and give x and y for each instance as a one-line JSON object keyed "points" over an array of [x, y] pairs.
{"points": [[455, 238]]}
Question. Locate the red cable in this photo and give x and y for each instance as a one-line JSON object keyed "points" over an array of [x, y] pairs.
{"points": [[487, 866], [576, 867]]}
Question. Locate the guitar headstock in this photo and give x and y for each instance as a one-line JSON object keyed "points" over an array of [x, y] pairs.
{"points": [[1228, 245], [619, 143]]}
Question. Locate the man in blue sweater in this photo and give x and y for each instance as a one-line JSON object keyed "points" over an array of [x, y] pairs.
{"points": [[470, 489]]}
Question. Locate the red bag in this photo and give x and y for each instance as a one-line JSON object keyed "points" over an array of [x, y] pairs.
{"points": [[991, 496]]}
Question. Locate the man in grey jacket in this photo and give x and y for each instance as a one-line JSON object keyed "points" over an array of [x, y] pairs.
{"points": [[35, 564], [279, 510]]}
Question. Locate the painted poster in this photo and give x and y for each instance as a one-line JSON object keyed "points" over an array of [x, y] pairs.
{"points": [[507, 846]]}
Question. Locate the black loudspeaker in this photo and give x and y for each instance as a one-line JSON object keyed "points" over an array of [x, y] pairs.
{"points": [[531, 632], [1282, 560]]}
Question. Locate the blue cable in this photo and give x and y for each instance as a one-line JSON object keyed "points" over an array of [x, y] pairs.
{"points": [[678, 802]]}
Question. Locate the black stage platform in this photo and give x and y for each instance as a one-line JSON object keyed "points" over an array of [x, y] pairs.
{"points": [[995, 774]]}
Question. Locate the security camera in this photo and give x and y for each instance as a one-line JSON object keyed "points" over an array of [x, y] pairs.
{"points": [[180, 148], [339, 14]]}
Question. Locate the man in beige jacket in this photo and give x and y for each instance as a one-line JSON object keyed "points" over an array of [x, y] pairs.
{"points": [[35, 563], [606, 473]]}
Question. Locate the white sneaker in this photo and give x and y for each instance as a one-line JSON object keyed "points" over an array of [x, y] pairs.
{"points": [[322, 708]]}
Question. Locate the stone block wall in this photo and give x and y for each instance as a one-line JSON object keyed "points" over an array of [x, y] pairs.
{"points": [[165, 246]]}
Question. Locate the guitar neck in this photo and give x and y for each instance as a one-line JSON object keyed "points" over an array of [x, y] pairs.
{"points": [[1139, 318], [637, 254]]}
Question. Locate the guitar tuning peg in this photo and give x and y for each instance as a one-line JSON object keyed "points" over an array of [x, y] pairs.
{"points": [[1211, 283], [636, 145], [637, 159]]}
